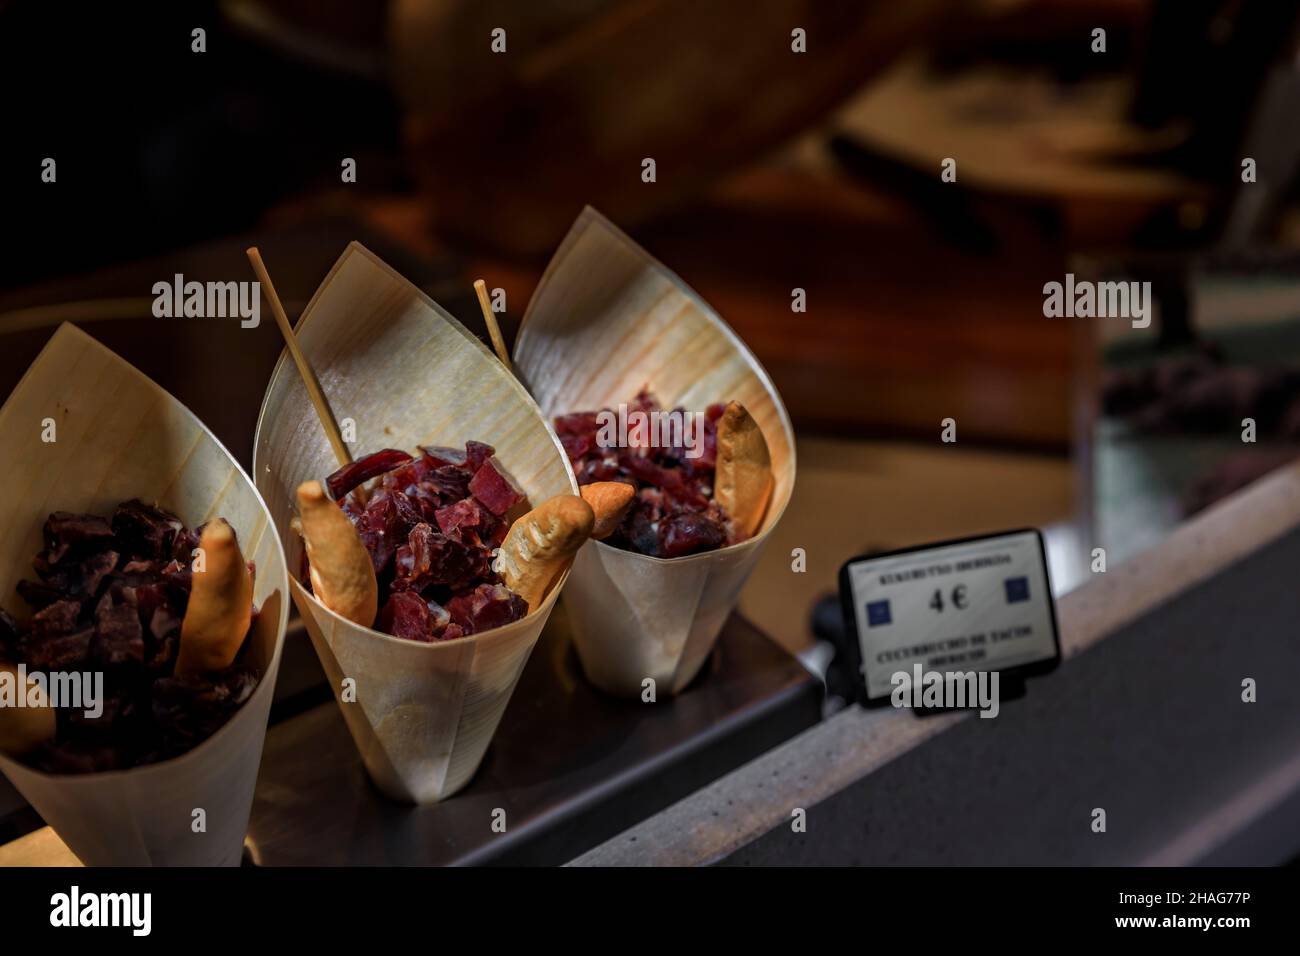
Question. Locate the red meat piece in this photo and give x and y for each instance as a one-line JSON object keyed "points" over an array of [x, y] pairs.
{"points": [[486, 607], [159, 610], [467, 513], [142, 530], [408, 514], [119, 638], [439, 456], [58, 641], [405, 477], [430, 529], [670, 480], [493, 530], [406, 615], [680, 485], [430, 557], [476, 452], [147, 598], [363, 469], [78, 581], [65, 531], [38, 595], [184, 545], [494, 489], [575, 446], [188, 710], [381, 531], [584, 424], [639, 530], [428, 499], [56, 620], [604, 468], [449, 481], [684, 534], [179, 576]]}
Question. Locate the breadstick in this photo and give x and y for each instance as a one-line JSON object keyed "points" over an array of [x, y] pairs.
{"points": [[221, 604], [540, 544], [342, 575], [743, 480], [609, 502], [23, 728]]}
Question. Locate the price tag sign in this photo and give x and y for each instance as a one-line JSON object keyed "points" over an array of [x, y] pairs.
{"points": [[978, 604]]}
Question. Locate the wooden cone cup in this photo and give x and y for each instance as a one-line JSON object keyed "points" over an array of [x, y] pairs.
{"points": [[120, 436], [606, 320], [392, 361]]}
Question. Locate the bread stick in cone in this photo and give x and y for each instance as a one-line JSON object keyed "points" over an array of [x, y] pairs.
{"points": [[540, 545], [26, 727], [609, 502], [743, 478], [342, 575], [220, 607]]}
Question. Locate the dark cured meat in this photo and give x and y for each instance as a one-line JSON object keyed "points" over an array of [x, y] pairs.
{"points": [[493, 489], [363, 469], [110, 599], [486, 607], [430, 526], [673, 514], [143, 531], [65, 531]]}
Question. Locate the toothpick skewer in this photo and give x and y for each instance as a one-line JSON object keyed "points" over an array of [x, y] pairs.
{"points": [[314, 391], [494, 330]]}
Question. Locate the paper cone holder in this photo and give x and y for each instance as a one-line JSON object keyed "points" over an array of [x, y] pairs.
{"points": [[119, 436], [405, 373]]}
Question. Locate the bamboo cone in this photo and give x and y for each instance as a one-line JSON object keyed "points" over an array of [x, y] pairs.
{"points": [[606, 320], [120, 436], [392, 361]]}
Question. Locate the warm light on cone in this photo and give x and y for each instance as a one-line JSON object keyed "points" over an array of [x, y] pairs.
{"points": [[405, 373], [120, 436], [607, 320]]}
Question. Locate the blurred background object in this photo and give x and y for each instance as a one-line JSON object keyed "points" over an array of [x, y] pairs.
{"points": [[507, 146]]}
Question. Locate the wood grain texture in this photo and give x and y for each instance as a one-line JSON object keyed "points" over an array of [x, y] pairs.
{"points": [[395, 363], [606, 320], [120, 436]]}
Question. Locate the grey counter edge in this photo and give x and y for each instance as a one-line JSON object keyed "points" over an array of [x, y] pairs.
{"points": [[745, 804]]}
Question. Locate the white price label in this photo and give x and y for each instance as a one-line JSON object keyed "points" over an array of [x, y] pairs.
{"points": [[977, 605]]}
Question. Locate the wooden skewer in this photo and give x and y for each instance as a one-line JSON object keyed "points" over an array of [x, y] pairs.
{"points": [[494, 330], [314, 391]]}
